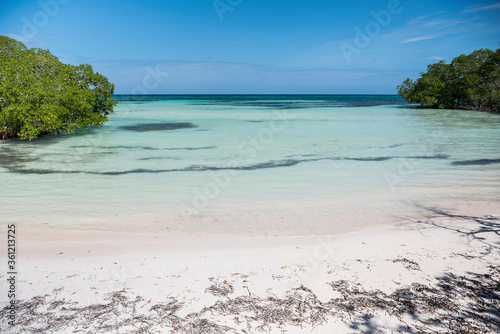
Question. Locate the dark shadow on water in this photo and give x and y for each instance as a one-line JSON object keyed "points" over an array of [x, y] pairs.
{"points": [[167, 126], [159, 158], [478, 162], [370, 159], [118, 147], [146, 148], [201, 168], [437, 156], [16, 162]]}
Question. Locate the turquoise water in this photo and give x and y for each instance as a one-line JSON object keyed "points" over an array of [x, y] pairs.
{"points": [[253, 165]]}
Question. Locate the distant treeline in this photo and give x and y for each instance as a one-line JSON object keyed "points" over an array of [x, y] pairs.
{"points": [[469, 82]]}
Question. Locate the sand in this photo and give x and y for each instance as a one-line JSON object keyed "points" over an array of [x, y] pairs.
{"points": [[439, 274]]}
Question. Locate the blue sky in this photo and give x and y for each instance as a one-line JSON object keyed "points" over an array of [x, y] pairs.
{"points": [[254, 46]]}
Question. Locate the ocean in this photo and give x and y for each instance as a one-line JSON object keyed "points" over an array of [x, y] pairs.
{"points": [[253, 165]]}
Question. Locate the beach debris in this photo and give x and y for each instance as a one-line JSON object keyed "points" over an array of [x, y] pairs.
{"points": [[277, 277], [284, 267], [220, 289], [457, 304], [409, 264], [60, 253]]}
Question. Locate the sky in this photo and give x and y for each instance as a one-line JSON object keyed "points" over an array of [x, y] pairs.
{"points": [[254, 46]]}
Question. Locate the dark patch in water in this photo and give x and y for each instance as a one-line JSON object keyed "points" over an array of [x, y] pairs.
{"points": [[160, 158], [158, 126], [148, 148], [271, 164], [133, 171], [437, 156], [478, 162], [198, 168], [43, 171], [369, 159], [296, 101], [15, 162], [252, 121], [195, 168], [9, 157]]}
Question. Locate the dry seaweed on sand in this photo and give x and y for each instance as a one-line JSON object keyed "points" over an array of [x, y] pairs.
{"points": [[220, 289], [466, 304], [409, 264]]}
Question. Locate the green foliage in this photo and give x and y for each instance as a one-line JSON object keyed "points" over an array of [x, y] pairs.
{"points": [[9, 45], [40, 95], [469, 82]]}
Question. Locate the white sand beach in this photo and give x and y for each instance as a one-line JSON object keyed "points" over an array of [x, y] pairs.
{"points": [[440, 274]]}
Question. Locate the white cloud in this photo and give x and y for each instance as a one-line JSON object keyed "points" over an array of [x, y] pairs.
{"points": [[419, 38], [417, 20], [443, 23], [479, 8]]}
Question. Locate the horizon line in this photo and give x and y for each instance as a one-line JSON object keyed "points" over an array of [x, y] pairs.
{"points": [[253, 94]]}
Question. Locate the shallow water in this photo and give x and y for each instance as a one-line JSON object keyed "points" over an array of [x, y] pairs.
{"points": [[253, 165]]}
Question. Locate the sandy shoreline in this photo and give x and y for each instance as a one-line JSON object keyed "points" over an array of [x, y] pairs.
{"points": [[360, 281]]}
